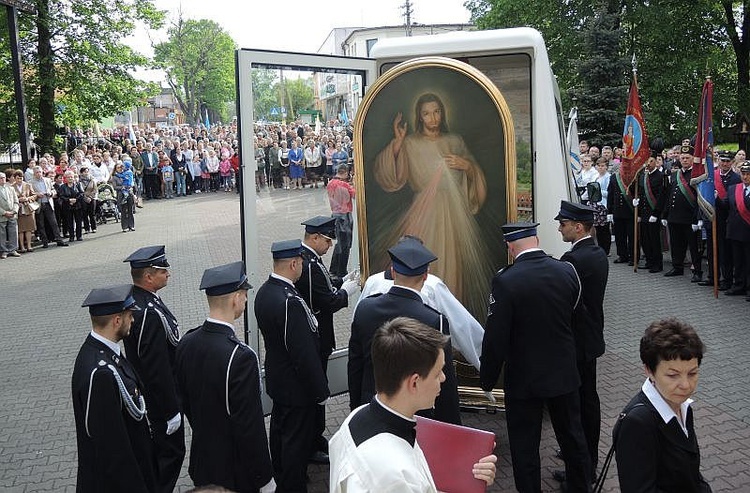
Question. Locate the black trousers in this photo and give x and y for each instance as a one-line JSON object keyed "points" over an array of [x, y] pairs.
{"points": [[651, 243], [524, 419], [170, 453], [604, 237], [591, 414], [291, 440], [682, 237], [741, 254], [623, 229], [151, 184], [73, 218], [88, 213], [45, 218], [340, 257], [725, 263]]}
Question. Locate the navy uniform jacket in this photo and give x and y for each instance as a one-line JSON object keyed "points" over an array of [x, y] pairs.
{"points": [[529, 328], [737, 228], [656, 456], [115, 451], [678, 208], [592, 267], [151, 347], [656, 181], [722, 206], [322, 295], [294, 373], [219, 381], [374, 311], [619, 205]]}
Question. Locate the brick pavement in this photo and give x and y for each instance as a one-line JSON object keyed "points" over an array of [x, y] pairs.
{"points": [[42, 327]]}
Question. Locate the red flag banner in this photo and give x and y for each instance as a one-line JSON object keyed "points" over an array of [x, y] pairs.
{"points": [[635, 150]]}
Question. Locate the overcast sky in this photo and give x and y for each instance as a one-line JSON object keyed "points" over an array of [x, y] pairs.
{"points": [[297, 25]]}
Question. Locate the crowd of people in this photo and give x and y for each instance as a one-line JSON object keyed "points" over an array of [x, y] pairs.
{"points": [[663, 201]]}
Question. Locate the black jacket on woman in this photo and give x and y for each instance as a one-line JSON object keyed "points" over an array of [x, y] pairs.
{"points": [[654, 456]]}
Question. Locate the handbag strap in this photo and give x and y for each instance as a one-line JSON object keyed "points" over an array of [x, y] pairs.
{"points": [[605, 468]]}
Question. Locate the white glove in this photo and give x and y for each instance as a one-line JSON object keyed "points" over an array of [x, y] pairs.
{"points": [[695, 227], [610, 218], [652, 219], [174, 424], [269, 488], [490, 397], [638, 219], [700, 223], [350, 286], [636, 202], [664, 222], [352, 276]]}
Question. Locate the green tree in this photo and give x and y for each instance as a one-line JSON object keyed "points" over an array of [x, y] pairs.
{"points": [[265, 95], [74, 59], [602, 93], [298, 94], [198, 58], [676, 45]]}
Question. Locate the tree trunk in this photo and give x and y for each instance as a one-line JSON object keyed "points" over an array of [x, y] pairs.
{"points": [[47, 127]]}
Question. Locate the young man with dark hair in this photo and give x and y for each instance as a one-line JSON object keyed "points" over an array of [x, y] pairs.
{"points": [[375, 449]]}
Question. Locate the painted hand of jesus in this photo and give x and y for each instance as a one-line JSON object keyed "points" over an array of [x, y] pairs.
{"points": [[457, 162]]}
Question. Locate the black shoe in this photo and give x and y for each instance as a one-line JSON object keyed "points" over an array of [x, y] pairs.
{"points": [[697, 277], [735, 292], [319, 457], [654, 270], [707, 282], [620, 260], [673, 273], [62, 243], [723, 286], [630, 263], [45, 245], [559, 475]]}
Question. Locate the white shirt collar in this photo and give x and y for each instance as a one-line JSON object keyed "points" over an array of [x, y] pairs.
{"points": [[220, 322], [282, 278], [578, 241], [110, 344], [664, 410], [393, 411], [528, 251]]}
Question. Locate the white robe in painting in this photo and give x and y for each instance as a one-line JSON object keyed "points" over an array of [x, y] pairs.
{"points": [[442, 211]]}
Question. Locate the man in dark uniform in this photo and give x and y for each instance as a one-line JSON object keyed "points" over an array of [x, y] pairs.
{"points": [[529, 329], [410, 263], [681, 217], [115, 450], [590, 262], [150, 347], [219, 381], [724, 177], [650, 204], [738, 231], [295, 379], [324, 296], [620, 213]]}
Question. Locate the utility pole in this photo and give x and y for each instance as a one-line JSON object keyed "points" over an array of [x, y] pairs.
{"points": [[408, 10]]}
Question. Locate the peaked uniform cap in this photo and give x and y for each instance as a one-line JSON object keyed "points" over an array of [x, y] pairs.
{"points": [[286, 249], [410, 257], [224, 279], [516, 231], [325, 225], [110, 300], [571, 211], [149, 256]]}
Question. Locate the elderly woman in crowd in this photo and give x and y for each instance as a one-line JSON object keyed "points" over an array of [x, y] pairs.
{"points": [[26, 211], [655, 441]]}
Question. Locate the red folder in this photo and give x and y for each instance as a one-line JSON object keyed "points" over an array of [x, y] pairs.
{"points": [[451, 452]]}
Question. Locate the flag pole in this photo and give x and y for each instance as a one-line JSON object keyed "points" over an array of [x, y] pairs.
{"points": [[715, 256], [635, 195]]}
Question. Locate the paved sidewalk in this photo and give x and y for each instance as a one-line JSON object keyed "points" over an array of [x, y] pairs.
{"points": [[42, 327]]}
